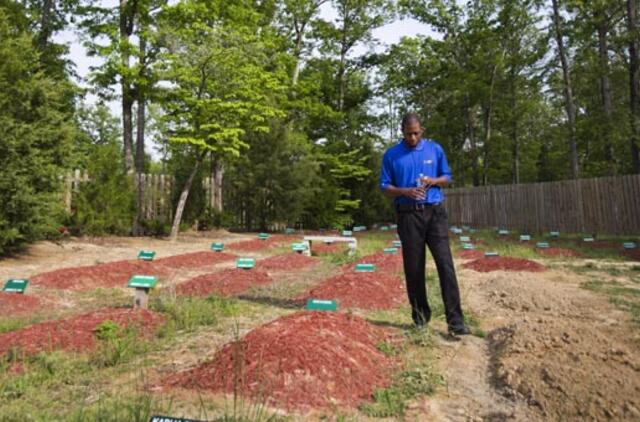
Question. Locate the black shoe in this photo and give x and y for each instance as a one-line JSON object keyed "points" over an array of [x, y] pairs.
{"points": [[461, 330]]}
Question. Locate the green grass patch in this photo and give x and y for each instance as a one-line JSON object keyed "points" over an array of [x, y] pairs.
{"points": [[623, 297], [189, 313], [11, 324]]}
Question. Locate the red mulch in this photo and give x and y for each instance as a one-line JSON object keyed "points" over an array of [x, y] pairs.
{"points": [[498, 263], [257, 244], [225, 283], [321, 248], [470, 254], [195, 259], [558, 252], [75, 333], [118, 273], [633, 254], [375, 290], [287, 262], [14, 303], [383, 261], [300, 361], [598, 244]]}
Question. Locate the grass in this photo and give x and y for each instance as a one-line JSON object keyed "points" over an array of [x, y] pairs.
{"points": [[367, 245], [623, 297]]}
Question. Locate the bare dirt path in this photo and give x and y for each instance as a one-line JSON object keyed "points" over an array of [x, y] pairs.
{"points": [[553, 351]]}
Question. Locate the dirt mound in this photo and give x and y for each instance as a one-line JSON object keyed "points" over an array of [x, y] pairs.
{"points": [[112, 274], [562, 252], [633, 254], [12, 303], [307, 359], [225, 283], [76, 333], [499, 263], [320, 248], [287, 262], [384, 261], [375, 290], [195, 259], [597, 244], [470, 254]]}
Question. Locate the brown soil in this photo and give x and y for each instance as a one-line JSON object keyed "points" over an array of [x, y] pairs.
{"points": [[470, 254], [375, 290], [320, 248], [383, 261], [500, 263], [13, 303], [304, 360], [633, 254], [225, 283], [76, 333], [287, 262]]}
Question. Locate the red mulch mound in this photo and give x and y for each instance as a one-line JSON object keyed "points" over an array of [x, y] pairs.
{"points": [[14, 303], [112, 274], [287, 262], [321, 248], [633, 254], [375, 290], [383, 261], [470, 254], [225, 283], [195, 259], [303, 360], [498, 263], [598, 244], [75, 333], [257, 244], [558, 252]]}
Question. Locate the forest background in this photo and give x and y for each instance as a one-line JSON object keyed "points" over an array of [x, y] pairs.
{"points": [[281, 107]]}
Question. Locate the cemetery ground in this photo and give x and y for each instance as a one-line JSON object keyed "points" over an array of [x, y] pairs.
{"points": [[556, 332]]}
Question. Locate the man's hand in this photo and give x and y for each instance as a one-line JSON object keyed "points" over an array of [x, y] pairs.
{"points": [[417, 194], [435, 181]]}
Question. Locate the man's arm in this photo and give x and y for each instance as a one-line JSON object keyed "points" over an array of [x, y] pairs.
{"points": [[416, 193], [442, 181]]}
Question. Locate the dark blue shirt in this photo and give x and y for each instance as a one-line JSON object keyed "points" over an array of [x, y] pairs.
{"points": [[402, 166]]}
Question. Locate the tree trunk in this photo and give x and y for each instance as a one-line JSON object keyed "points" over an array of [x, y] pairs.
{"points": [[127, 94], [568, 93], [140, 155], [488, 118], [46, 12], [471, 130], [183, 199], [605, 88], [634, 95]]}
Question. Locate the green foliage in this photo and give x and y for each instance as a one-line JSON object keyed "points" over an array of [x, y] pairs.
{"points": [[185, 313], [116, 344], [37, 133]]}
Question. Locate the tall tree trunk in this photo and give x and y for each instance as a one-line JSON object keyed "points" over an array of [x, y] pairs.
{"points": [[634, 77], [488, 119], [175, 228], [471, 131], [515, 140], [140, 155], [605, 88], [46, 13], [216, 174], [126, 27], [568, 92]]}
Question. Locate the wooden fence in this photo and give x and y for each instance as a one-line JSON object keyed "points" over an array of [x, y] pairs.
{"points": [[607, 205], [158, 191]]}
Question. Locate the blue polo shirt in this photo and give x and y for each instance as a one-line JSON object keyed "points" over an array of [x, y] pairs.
{"points": [[401, 167]]}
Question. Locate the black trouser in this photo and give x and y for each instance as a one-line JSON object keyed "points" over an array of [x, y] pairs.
{"points": [[428, 226]]}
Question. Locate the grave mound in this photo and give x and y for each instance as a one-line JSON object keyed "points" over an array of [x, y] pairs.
{"points": [[75, 333], [485, 265], [470, 254], [384, 261], [376, 290], [562, 252], [320, 248], [300, 361], [633, 254], [287, 262], [224, 283], [13, 303], [195, 259]]}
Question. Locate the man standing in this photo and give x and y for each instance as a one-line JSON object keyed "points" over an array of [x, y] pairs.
{"points": [[413, 173]]}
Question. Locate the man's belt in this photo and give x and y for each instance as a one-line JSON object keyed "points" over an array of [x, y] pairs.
{"points": [[415, 207]]}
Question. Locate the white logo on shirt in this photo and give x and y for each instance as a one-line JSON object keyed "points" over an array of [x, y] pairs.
{"points": [[427, 162]]}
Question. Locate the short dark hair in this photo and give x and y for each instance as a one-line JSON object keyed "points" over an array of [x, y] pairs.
{"points": [[409, 118]]}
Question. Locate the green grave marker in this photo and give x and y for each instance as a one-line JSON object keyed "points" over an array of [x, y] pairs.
{"points": [[452, 228], [397, 244], [393, 226], [465, 239], [466, 228], [289, 230], [390, 250], [15, 285], [503, 232], [299, 247], [146, 255], [542, 245], [468, 246], [245, 263], [525, 237], [365, 268], [629, 245], [384, 228], [321, 305], [588, 239], [143, 281], [217, 246], [347, 233], [554, 234], [491, 254], [160, 418], [263, 236], [472, 231]]}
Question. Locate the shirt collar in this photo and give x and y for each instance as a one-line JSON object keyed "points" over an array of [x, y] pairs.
{"points": [[418, 147]]}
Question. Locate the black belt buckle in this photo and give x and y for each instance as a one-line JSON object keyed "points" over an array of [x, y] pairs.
{"points": [[413, 207]]}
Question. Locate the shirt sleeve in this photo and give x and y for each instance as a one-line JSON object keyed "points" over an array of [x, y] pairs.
{"points": [[443, 165], [386, 172]]}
